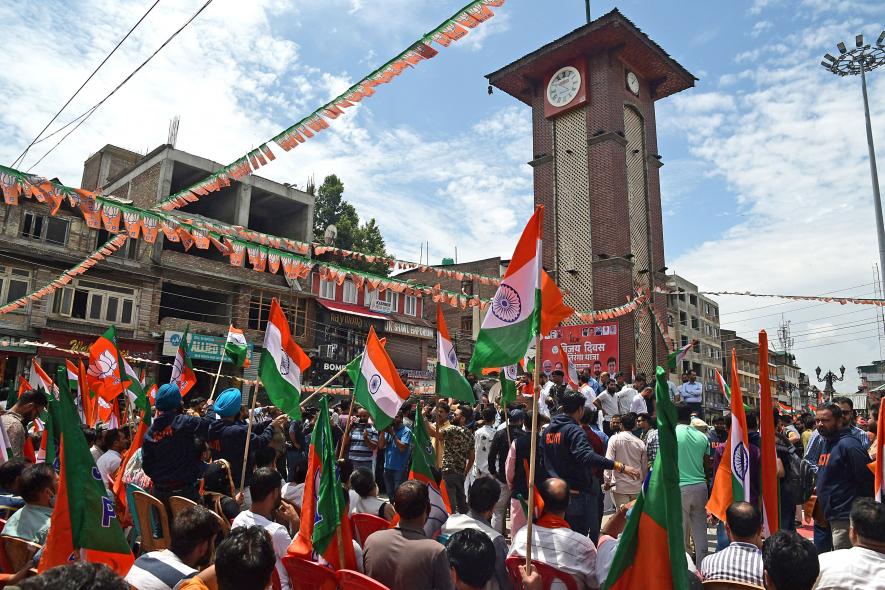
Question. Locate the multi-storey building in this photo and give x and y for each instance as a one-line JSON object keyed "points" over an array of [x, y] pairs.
{"points": [[151, 292], [694, 317], [872, 376]]}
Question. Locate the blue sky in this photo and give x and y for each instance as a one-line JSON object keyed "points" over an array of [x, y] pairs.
{"points": [[765, 184]]}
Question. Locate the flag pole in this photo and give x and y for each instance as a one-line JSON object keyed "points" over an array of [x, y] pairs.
{"points": [[323, 386], [534, 449], [217, 375], [344, 440], [248, 437]]}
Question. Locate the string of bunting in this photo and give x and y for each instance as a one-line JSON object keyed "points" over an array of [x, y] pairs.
{"points": [[615, 312], [825, 299], [141, 361], [452, 29], [64, 278]]}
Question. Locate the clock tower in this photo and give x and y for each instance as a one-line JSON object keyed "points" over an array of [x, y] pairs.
{"points": [[596, 168]]}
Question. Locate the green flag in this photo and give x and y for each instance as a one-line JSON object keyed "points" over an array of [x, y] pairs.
{"points": [[331, 504], [651, 548], [421, 469], [507, 377]]}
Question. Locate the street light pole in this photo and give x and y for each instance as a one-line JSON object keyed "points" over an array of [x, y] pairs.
{"points": [[587, 7], [860, 59]]}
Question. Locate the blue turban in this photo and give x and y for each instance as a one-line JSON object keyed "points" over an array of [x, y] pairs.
{"points": [[168, 397], [228, 403]]}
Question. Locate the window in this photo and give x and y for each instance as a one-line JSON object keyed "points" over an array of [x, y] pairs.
{"points": [[388, 296], [693, 300], [707, 308], [411, 305], [327, 289], [350, 292], [52, 230], [129, 250], [683, 341], [669, 321], [683, 318], [294, 308], [467, 286], [467, 325], [14, 283], [88, 300], [697, 347], [695, 324]]}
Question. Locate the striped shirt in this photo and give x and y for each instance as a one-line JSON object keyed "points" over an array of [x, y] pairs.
{"points": [[739, 562], [158, 570]]}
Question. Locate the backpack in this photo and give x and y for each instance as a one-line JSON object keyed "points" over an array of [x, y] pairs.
{"points": [[807, 480], [792, 482]]}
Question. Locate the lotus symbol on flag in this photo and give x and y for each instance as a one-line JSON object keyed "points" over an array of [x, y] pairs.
{"points": [[104, 366], [428, 450], [506, 305], [740, 461], [374, 384]]}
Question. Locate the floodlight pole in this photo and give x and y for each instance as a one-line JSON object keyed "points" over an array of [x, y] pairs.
{"points": [[587, 7], [874, 172]]}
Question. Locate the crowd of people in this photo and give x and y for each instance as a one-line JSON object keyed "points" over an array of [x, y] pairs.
{"points": [[596, 442]]}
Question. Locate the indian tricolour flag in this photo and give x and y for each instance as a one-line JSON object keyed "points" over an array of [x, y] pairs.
{"points": [[674, 359], [236, 348], [732, 481], [282, 363], [514, 315], [726, 391], [570, 371], [377, 385], [449, 380]]}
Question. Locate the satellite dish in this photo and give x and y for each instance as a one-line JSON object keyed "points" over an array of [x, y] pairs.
{"points": [[330, 234]]}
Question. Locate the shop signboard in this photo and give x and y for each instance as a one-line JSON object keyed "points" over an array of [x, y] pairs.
{"points": [[404, 329], [203, 347]]}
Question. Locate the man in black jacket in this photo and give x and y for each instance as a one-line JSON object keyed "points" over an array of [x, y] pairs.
{"points": [[497, 463], [567, 454], [842, 473]]}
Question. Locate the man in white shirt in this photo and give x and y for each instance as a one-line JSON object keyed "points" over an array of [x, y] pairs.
{"points": [[193, 534], [863, 566], [554, 542], [626, 395], [546, 387], [627, 448], [482, 443], [116, 441], [640, 403], [267, 507], [607, 405]]}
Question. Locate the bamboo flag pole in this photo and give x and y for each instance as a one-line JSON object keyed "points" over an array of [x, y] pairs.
{"points": [[534, 450], [217, 375], [323, 386], [344, 440], [248, 437]]}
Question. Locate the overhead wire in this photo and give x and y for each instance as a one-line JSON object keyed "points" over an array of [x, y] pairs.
{"points": [[791, 301], [89, 112], [95, 71]]}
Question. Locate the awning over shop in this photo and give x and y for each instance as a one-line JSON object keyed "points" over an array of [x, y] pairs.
{"points": [[351, 309]]}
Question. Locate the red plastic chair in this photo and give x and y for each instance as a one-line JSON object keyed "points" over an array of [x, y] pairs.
{"points": [[366, 524], [351, 580], [549, 574], [309, 575]]}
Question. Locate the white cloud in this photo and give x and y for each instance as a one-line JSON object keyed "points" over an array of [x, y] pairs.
{"points": [[760, 27], [792, 150]]}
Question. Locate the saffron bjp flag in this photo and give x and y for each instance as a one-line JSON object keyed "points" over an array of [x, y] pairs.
{"points": [[182, 371], [553, 310], [282, 363], [651, 550], [423, 458], [676, 357], [119, 488], [236, 348], [73, 374], [104, 366], [84, 520], [324, 507], [571, 372], [449, 380], [769, 485], [732, 479], [514, 315], [377, 385], [879, 464]]}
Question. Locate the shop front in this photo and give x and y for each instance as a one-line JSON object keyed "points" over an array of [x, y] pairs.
{"points": [[340, 336], [78, 343]]}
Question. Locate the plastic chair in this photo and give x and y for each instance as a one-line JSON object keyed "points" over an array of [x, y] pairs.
{"points": [[310, 575], [215, 500], [351, 580], [549, 574], [366, 524], [726, 585], [179, 504], [18, 552], [149, 509]]}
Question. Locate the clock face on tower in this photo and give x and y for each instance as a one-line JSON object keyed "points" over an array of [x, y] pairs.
{"points": [[633, 83], [564, 86]]}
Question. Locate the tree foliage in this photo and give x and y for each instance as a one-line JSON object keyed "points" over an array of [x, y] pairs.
{"points": [[330, 208]]}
